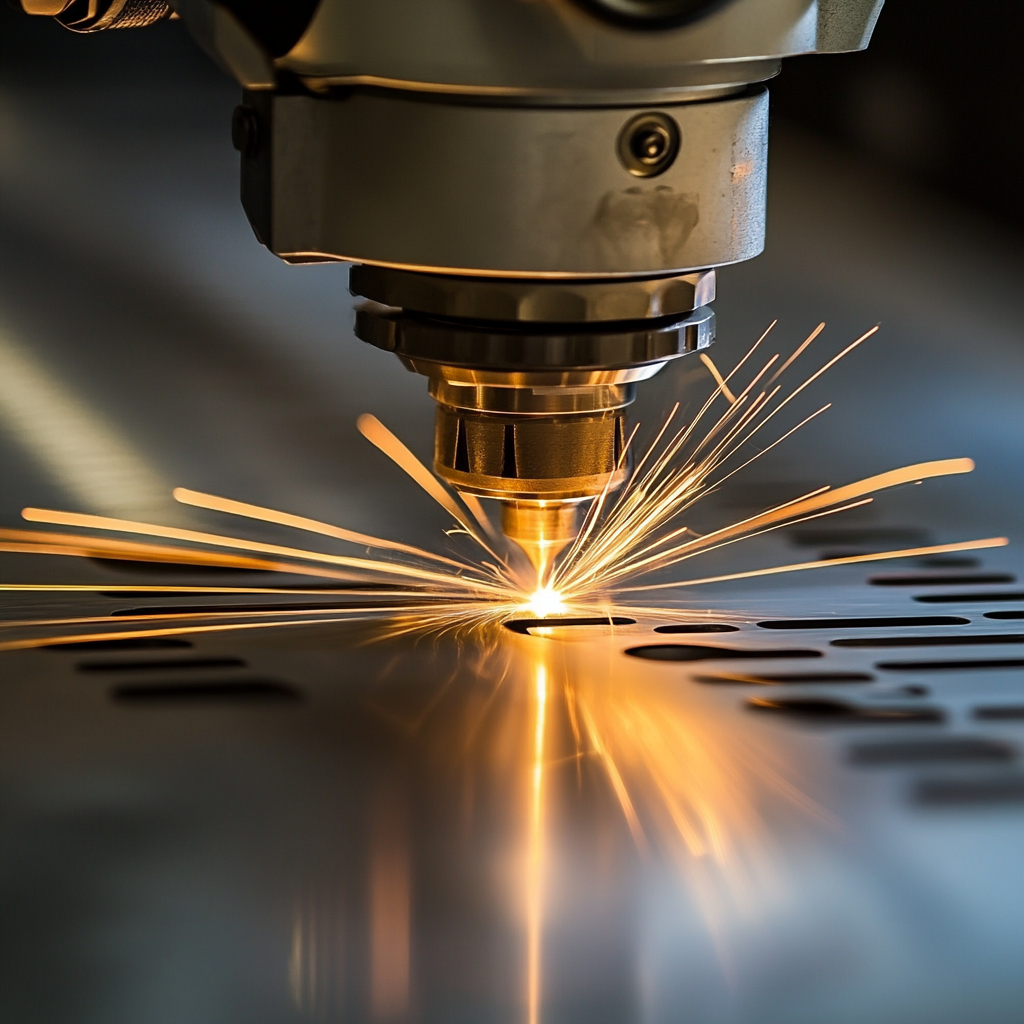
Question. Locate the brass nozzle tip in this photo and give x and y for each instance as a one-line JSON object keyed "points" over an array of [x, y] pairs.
{"points": [[541, 529]]}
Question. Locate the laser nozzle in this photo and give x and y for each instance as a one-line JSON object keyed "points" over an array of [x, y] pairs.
{"points": [[532, 379], [541, 529]]}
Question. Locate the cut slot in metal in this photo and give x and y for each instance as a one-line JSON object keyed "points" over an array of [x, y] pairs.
{"points": [[1000, 712], [931, 751], [243, 691], [968, 792], [1010, 613], [947, 640], [697, 627], [163, 665], [523, 626], [778, 679], [866, 622], [925, 579], [949, 562], [967, 665], [141, 643], [864, 537], [699, 652], [976, 598], [825, 709]]}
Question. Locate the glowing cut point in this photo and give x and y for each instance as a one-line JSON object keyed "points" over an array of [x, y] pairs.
{"points": [[546, 601]]}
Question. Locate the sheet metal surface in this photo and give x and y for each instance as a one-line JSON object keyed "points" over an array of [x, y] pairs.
{"points": [[327, 823]]}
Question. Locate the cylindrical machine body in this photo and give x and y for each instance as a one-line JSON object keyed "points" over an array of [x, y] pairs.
{"points": [[537, 194], [484, 189]]}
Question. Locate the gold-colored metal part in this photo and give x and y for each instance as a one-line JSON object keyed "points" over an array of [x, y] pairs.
{"points": [[541, 529], [529, 458], [45, 8], [538, 400], [532, 380], [541, 465]]}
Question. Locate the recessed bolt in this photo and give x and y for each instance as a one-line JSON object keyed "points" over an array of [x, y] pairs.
{"points": [[648, 144]]}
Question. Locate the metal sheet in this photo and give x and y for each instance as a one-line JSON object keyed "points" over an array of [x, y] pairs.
{"points": [[327, 823]]}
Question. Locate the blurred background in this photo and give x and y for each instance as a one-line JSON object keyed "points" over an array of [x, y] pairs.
{"points": [[929, 100]]}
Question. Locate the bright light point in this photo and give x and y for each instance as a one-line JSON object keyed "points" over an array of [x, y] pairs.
{"points": [[545, 601]]}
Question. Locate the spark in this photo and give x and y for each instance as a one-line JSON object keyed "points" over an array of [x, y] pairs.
{"points": [[378, 435], [678, 785], [546, 601], [627, 542], [719, 379]]}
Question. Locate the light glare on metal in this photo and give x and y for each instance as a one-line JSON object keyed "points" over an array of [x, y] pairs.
{"points": [[545, 601]]}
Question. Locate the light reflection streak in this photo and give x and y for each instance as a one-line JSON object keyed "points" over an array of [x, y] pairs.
{"points": [[390, 910], [701, 793], [87, 454], [316, 967], [535, 856]]}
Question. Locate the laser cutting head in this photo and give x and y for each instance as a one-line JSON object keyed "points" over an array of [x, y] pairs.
{"points": [[536, 195], [532, 380]]}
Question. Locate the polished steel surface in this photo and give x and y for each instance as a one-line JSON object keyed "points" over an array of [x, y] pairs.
{"points": [[544, 301], [557, 49], [529, 348], [508, 191], [330, 823]]}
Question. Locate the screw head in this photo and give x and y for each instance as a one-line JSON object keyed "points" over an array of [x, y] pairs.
{"points": [[648, 144]]}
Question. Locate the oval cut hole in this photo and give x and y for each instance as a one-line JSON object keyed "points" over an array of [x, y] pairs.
{"points": [[701, 652]]}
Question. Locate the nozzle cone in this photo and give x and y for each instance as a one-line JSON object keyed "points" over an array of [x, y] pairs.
{"points": [[541, 529]]}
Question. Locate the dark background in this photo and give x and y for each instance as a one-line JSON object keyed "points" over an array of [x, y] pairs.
{"points": [[932, 98]]}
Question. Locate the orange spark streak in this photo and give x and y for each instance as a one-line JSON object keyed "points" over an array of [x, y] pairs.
{"points": [[43, 543], [935, 549], [124, 634], [214, 613], [377, 434], [268, 515], [103, 588], [797, 354], [719, 379], [609, 563], [473, 503], [41, 515]]}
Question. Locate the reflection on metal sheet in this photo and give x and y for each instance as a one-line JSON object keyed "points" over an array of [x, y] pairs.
{"points": [[390, 900]]}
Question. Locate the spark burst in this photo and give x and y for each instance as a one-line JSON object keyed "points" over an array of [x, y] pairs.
{"points": [[626, 538], [681, 782]]}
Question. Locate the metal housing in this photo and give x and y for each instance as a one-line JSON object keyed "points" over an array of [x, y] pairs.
{"points": [[403, 181]]}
